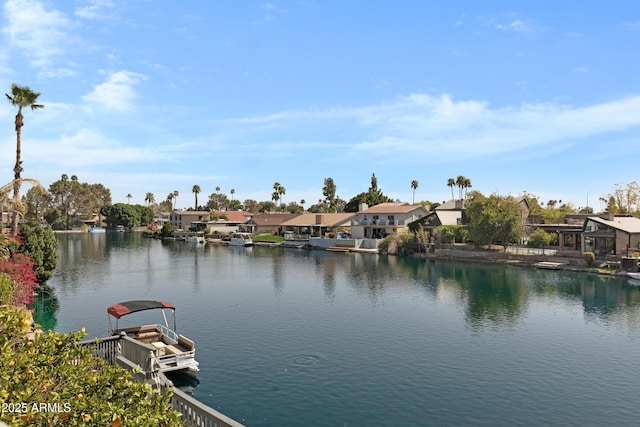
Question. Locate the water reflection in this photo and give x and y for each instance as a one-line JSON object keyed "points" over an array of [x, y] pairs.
{"points": [[488, 294]]}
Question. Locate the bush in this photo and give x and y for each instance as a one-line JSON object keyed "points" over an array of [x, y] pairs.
{"points": [[589, 258], [76, 388], [539, 238]]}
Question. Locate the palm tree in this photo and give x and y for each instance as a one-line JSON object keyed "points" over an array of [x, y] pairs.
{"points": [[129, 196], [414, 186], [467, 185], [21, 96], [232, 191], [217, 189], [451, 183], [302, 202], [195, 190], [175, 198], [170, 197], [460, 184], [149, 199], [280, 191]]}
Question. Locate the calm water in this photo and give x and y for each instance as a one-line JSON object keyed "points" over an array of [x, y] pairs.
{"points": [[291, 337]]}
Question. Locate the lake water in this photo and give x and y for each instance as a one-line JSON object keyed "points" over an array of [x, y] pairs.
{"points": [[313, 338]]}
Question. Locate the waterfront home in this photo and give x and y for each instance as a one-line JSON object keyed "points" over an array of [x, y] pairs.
{"points": [[182, 220], [269, 222], [611, 235], [310, 224], [161, 218], [235, 222], [385, 219]]}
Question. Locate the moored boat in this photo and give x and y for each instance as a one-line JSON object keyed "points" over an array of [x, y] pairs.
{"points": [[241, 239], [174, 352], [97, 230]]}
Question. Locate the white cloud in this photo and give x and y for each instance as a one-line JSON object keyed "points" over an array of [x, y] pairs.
{"points": [[94, 9], [438, 129], [117, 92], [37, 33]]}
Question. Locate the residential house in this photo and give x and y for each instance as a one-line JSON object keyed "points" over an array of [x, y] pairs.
{"points": [[269, 222], [183, 220], [378, 221], [611, 235], [235, 221], [310, 224]]}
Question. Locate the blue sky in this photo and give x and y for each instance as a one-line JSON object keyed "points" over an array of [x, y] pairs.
{"points": [[155, 96]]}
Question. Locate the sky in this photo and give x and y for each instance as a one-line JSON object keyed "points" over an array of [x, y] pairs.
{"points": [[156, 96]]}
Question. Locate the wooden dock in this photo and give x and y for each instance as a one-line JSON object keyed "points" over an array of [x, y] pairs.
{"points": [[548, 265]]}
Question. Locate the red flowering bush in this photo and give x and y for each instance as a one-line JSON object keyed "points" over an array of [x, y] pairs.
{"points": [[19, 268]]}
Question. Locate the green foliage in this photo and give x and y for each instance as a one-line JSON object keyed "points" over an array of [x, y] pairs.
{"points": [[453, 233], [127, 215], [84, 390], [539, 238], [372, 197], [7, 288], [388, 245], [40, 244], [589, 258], [167, 229], [494, 220]]}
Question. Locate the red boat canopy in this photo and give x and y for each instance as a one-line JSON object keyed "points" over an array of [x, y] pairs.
{"points": [[128, 307]]}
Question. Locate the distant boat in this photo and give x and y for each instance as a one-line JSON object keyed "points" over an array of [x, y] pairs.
{"points": [[196, 239], [97, 230], [120, 228], [635, 276], [241, 239]]}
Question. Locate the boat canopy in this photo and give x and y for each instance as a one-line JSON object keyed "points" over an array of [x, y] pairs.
{"points": [[128, 307]]}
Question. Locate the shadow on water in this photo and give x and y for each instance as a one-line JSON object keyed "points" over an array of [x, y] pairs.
{"points": [[45, 306]]}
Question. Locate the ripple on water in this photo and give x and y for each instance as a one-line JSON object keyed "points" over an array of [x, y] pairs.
{"points": [[305, 360]]}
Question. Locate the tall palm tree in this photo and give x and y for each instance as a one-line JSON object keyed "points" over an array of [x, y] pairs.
{"points": [[21, 96], [280, 191], [129, 196], [460, 184], [195, 190], [414, 186], [175, 198], [217, 189], [232, 191], [149, 199], [467, 185], [170, 197], [451, 183]]}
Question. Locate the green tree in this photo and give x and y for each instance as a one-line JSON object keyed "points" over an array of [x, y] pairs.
{"points": [[494, 220], [232, 191], [129, 196], [37, 201], [196, 190], [121, 214], [21, 96], [539, 238], [329, 193], [372, 197], [40, 244]]}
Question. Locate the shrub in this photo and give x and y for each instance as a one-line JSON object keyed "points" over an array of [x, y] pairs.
{"points": [[77, 388], [539, 238], [589, 258]]}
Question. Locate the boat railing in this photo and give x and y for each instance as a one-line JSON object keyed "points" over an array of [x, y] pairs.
{"points": [[168, 332]]}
